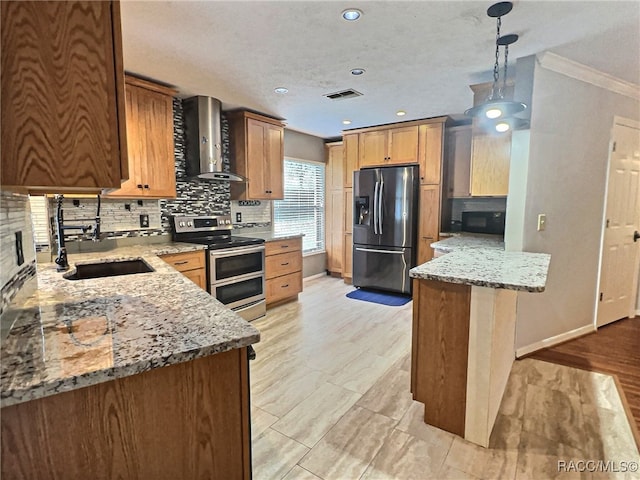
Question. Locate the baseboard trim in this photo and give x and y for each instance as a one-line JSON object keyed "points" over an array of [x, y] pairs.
{"points": [[317, 275], [637, 313], [579, 71], [551, 341]]}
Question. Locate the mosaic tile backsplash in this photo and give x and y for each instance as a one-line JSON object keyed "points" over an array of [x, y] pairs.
{"points": [[15, 218]]}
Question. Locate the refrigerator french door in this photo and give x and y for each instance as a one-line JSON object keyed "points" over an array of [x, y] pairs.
{"points": [[384, 227]]}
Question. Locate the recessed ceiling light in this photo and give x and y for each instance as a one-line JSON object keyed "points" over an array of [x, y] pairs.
{"points": [[351, 14], [401, 113], [346, 122], [281, 90], [357, 71]]}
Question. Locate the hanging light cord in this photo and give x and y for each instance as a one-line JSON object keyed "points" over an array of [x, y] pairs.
{"points": [[496, 66], [504, 78]]}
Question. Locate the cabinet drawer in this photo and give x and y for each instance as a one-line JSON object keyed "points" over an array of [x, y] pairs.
{"points": [[283, 287], [185, 261], [283, 264], [281, 246]]}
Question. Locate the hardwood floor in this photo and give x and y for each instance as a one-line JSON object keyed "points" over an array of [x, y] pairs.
{"points": [[330, 401], [613, 349]]}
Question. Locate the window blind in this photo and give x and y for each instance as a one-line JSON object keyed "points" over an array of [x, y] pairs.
{"points": [[302, 210]]}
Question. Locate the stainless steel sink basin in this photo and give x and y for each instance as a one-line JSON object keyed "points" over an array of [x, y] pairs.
{"points": [[109, 269]]}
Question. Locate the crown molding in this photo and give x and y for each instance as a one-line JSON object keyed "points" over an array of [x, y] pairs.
{"points": [[556, 63]]}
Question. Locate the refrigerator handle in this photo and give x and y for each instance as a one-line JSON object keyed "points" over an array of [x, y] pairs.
{"points": [[375, 209], [380, 206]]}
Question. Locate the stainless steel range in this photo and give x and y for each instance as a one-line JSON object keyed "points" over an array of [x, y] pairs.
{"points": [[235, 265]]}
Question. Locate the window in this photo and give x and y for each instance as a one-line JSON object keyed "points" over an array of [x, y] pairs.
{"points": [[302, 210]]}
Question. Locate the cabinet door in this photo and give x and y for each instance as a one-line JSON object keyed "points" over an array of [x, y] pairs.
{"points": [[334, 229], [347, 264], [133, 187], [156, 114], [351, 144], [62, 96], [490, 158], [199, 277], [373, 147], [256, 164], [334, 167], [429, 222], [402, 145], [459, 161], [348, 210], [430, 153], [275, 161]]}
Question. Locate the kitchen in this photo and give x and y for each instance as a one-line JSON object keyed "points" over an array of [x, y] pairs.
{"points": [[531, 339]]}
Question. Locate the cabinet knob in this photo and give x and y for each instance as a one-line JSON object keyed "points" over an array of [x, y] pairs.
{"points": [[146, 186], [139, 185]]}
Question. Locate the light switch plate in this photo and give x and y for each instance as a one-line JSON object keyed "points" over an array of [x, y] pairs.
{"points": [[542, 222]]}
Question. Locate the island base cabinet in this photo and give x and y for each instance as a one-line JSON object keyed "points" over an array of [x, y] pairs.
{"points": [[185, 421], [462, 352]]}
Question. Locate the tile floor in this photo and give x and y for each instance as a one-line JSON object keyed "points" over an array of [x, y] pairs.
{"points": [[330, 400]]}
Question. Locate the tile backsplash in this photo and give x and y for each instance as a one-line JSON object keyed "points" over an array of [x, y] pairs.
{"points": [[16, 218], [251, 214]]}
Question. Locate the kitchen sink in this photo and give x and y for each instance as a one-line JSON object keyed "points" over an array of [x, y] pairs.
{"points": [[109, 269]]}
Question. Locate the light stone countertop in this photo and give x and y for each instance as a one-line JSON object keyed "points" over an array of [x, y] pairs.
{"points": [[488, 267], [469, 240], [69, 334], [269, 236]]}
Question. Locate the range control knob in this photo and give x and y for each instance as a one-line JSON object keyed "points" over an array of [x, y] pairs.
{"points": [[181, 224], [228, 222], [189, 224]]}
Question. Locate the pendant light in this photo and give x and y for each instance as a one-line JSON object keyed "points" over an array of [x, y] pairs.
{"points": [[496, 108]]}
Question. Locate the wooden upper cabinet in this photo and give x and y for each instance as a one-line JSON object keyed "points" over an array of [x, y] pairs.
{"points": [[257, 153], [63, 127], [350, 146], [490, 159], [389, 146], [149, 108], [430, 153], [334, 167], [458, 161]]}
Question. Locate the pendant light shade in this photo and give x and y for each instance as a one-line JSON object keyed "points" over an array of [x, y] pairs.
{"points": [[496, 108]]}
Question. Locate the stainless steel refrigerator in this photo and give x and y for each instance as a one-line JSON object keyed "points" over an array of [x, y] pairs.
{"points": [[385, 217]]}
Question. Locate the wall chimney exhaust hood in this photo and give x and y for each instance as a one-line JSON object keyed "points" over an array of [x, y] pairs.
{"points": [[203, 139]]}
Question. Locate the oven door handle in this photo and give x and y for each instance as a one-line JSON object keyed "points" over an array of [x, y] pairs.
{"points": [[226, 252]]}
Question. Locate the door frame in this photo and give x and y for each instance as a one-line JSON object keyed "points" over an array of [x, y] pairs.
{"points": [[626, 122]]}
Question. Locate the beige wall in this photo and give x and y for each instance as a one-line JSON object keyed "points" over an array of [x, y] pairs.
{"points": [[571, 124], [302, 146]]}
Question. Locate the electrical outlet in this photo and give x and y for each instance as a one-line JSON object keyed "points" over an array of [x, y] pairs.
{"points": [[19, 252], [144, 221], [238, 217], [542, 222]]}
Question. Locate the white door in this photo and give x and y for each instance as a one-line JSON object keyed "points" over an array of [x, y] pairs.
{"points": [[621, 251]]}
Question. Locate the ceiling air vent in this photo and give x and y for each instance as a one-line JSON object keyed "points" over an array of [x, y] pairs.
{"points": [[350, 93]]}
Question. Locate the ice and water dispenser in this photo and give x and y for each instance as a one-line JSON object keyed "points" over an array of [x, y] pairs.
{"points": [[361, 211]]}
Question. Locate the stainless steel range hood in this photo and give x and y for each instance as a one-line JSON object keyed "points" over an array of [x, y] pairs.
{"points": [[203, 139]]}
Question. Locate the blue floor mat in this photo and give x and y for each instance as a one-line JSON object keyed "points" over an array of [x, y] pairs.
{"points": [[383, 298]]}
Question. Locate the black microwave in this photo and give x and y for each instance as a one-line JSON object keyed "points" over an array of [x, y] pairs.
{"points": [[483, 222]]}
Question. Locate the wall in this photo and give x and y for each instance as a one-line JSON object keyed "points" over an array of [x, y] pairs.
{"points": [[571, 123], [307, 147], [15, 217]]}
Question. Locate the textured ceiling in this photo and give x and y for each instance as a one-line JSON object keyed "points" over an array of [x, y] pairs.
{"points": [[419, 56]]}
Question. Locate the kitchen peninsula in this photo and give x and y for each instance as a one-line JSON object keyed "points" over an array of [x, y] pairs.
{"points": [[463, 339], [132, 376]]}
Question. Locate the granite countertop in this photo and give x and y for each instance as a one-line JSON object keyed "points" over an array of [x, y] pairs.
{"points": [[469, 240], [488, 267], [270, 236], [68, 334]]}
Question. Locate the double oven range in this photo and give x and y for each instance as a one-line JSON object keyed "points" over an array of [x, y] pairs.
{"points": [[235, 265]]}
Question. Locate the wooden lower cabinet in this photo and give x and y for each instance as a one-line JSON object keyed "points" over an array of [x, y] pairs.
{"points": [[188, 420], [191, 264], [347, 269], [440, 340], [428, 222], [283, 270]]}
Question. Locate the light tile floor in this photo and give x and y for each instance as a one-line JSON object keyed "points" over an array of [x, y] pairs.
{"points": [[330, 400]]}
